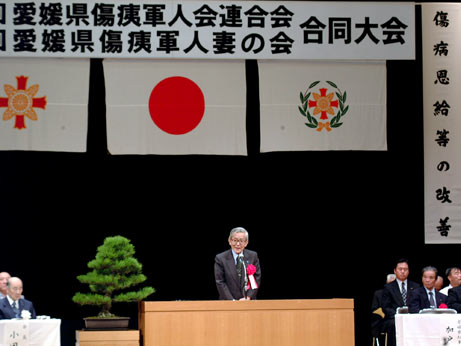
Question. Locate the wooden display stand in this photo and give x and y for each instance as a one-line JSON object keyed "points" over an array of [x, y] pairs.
{"points": [[107, 338], [322, 322]]}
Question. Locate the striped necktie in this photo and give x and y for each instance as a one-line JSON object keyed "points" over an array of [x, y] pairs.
{"points": [[404, 294], [15, 309]]}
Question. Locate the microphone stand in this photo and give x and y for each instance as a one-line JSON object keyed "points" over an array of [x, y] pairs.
{"points": [[246, 280]]}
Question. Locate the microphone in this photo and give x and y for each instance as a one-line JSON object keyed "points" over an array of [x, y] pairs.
{"points": [[245, 276]]}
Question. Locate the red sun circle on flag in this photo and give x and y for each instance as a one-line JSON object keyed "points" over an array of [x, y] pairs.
{"points": [[176, 105]]}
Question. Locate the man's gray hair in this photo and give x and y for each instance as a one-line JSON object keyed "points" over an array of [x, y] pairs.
{"points": [[238, 230], [430, 268]]}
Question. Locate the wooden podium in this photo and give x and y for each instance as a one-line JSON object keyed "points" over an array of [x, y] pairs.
{"points": [[320, 322]]}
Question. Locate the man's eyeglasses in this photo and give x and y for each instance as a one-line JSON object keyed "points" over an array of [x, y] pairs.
{"points": [[241, 241]]}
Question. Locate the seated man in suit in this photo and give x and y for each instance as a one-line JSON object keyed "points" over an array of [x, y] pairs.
{"points": [[233, 269], [4, 277], [454, 298], [13, 305], [427, 296], [395, 295], [453, 275]]}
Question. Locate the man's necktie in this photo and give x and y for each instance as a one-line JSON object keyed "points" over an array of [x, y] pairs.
{"points": [[15, 309], [404, 294], [431, 300], [240, 270]]}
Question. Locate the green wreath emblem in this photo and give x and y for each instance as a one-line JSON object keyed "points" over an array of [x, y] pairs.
{"points": [[311, 121]]}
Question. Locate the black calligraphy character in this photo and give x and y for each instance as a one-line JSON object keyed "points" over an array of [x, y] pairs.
{"points": [[442, 139], [51, 14], [53, 41], [168, 41], [205, 16], [139, 40], [2, 14], [2, 41], [281, 44], [249, 43], [111, 41], [367, 27], [82, 39], [256, 17], [443, 195], [441, 19], [443, 166], [313, 27], [129, 14], [232, 18], [444, 227], [339, 29], [442, 77], [179, 15], [281, 17], [394, 31], [154, 14], [224, 42], [196, 43], [24, 13], [25, 40], [103, 15], [441, 49], [76, 13], [441, 108]]}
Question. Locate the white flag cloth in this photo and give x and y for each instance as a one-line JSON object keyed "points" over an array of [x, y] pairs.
{"points": [[314, 105], [44, 104], [175, 107]]}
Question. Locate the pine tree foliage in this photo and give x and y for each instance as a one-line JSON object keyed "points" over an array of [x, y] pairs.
{"points": [[113, 270]]}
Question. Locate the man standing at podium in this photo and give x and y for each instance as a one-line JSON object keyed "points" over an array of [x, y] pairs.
{"points": [[237, 271]]}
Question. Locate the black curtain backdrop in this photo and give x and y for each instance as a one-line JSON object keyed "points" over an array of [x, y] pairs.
{"points": [[325, 224]]}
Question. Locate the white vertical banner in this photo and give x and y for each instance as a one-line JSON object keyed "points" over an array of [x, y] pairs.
{"points": [[441, 25]]}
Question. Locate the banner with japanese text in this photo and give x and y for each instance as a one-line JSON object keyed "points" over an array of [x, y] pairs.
{"points": [[175, 107], [322, 105], [44, 104], [441, 25], [207, 29]]}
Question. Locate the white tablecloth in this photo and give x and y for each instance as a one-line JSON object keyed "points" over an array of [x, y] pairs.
{"points": [[428, 329], [30, 332]]}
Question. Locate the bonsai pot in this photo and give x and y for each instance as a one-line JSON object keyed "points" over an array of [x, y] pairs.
{"points": [[106, 323]]}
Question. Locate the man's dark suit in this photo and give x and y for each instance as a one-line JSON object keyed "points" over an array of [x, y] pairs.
{"points": [[6, 311], [454, 298], [227, 280], [419, 300], [391, 300]]}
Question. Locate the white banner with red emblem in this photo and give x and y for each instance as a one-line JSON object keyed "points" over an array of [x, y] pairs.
{"points": [[44, 104], [207, 29], [441, 25], [317, 105]]}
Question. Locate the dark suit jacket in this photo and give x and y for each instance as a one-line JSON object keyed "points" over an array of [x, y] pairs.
{"points": [[392, 298], [419, 300], [6, 311], [454, 298], [227, 280]]}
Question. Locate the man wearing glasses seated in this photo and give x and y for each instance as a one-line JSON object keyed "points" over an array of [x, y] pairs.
{"points": [[237, 271]]}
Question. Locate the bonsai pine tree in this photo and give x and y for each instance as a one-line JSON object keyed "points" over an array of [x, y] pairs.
{"points": [[114, 270]]}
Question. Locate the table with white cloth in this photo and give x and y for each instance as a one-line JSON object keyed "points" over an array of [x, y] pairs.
{"points": [[30, 332], [428, 329]]}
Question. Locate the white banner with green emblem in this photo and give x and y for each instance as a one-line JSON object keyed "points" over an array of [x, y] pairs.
{"points": [[314, 105]]}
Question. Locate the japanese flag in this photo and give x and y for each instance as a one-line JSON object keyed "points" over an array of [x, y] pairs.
{"points": [[317, 105], [175, 107], [44, 104]]}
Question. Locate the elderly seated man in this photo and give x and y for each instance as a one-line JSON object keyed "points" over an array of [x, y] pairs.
{"points": [[13, 305]]}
